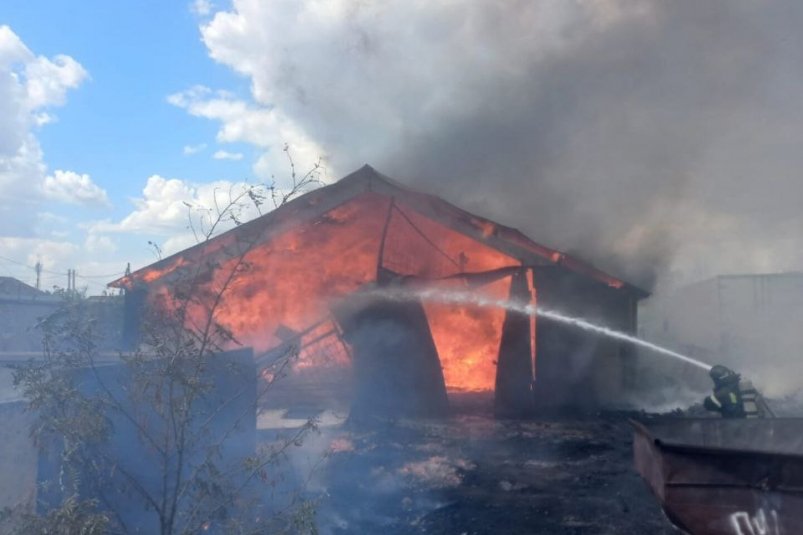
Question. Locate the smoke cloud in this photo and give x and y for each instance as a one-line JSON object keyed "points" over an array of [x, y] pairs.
{"points": [[656, 139]]}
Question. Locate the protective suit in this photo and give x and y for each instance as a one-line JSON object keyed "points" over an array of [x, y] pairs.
{"points": [[734, 397]]}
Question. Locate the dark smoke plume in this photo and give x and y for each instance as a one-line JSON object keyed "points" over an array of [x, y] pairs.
{"points": [[655, 139]]}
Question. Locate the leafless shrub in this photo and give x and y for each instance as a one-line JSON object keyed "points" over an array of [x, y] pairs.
{"points": [[155, 392]]}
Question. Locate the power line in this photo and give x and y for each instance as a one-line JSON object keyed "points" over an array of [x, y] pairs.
{"points": [[28, 266], [120, 274], [34, 268], [98, 285], [14, 261]]}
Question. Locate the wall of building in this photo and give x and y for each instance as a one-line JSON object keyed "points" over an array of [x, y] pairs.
{"points": [[695, 312], [761, 328], [18, 456], [574, 367], [19, 318]]}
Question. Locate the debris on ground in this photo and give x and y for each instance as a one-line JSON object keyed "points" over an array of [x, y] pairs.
{"points": [[477, 475]]}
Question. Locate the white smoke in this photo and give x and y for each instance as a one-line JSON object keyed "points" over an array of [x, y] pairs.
{"points": [[654, 138]]}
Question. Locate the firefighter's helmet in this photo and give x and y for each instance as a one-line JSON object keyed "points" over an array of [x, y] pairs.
{"points": [[722, 374]]}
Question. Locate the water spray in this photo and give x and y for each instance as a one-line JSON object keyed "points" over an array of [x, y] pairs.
{"points": [[465, 298]]}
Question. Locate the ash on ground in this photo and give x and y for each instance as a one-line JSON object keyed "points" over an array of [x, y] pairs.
{"points": [[472, 474]]}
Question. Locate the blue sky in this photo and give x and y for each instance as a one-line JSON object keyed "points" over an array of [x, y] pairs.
{"points": [[117, 126], [136, 53]]}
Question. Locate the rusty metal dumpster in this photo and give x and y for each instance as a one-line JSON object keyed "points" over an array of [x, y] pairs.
{"points": [[716, 477]]}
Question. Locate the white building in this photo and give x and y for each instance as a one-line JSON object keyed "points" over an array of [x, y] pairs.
{"points": [[752, 323]]}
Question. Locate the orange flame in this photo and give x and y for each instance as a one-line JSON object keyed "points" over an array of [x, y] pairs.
{"points": [[286, 284], [291, 280], [467, 338]]}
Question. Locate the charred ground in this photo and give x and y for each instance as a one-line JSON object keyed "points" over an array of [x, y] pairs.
{"points": [[472, 474]]}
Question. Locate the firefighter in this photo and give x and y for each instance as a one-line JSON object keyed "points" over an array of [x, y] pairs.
{"points": [[733, 396]]}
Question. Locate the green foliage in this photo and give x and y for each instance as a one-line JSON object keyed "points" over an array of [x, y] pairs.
{"points": [[74, 517]]}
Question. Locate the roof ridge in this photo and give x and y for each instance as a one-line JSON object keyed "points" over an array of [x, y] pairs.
{"points": [[368, 179]]}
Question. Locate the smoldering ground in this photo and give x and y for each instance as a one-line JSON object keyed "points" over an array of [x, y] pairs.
{"points": [[474, 474]]}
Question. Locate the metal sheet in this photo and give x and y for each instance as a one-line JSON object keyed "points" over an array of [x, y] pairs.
{"points": [[717, 477], [774, 436]]}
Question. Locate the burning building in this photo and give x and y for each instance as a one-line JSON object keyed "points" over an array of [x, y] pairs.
{"points": [[300, 271]]}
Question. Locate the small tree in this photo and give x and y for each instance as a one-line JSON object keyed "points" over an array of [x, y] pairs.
{"points": [[165, 394]]}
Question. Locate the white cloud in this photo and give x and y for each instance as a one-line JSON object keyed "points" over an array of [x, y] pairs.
{"points": [[178, 242], [29, 83], [261, 126], [43, 118], [201, 8], [93, 261], [12, 50], [189, 150], [225, 155], [54, 254], [327, 74], [70, 187], [169, 206], [49, 80], [160, 210], [169, 209], [350, 82], [29, 86], [51, 226], [96, 243]]}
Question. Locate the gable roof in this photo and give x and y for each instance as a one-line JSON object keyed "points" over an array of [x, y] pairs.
{"points": [[366, 179], [11, 287]]}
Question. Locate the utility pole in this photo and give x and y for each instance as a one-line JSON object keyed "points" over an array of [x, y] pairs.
{"points": [[38, 269], [70, 280], [127, 274]]}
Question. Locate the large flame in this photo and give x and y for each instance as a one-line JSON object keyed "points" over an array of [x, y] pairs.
{"points": [[467, 338], [281, 288], [291, 280]]}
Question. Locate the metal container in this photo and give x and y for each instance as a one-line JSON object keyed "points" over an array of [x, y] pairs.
{"points": [[716, 477]]}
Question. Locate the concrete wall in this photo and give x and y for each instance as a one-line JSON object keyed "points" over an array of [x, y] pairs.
{"points": [[695, 312], [761, 328], [18, 456], [19, 319]]}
